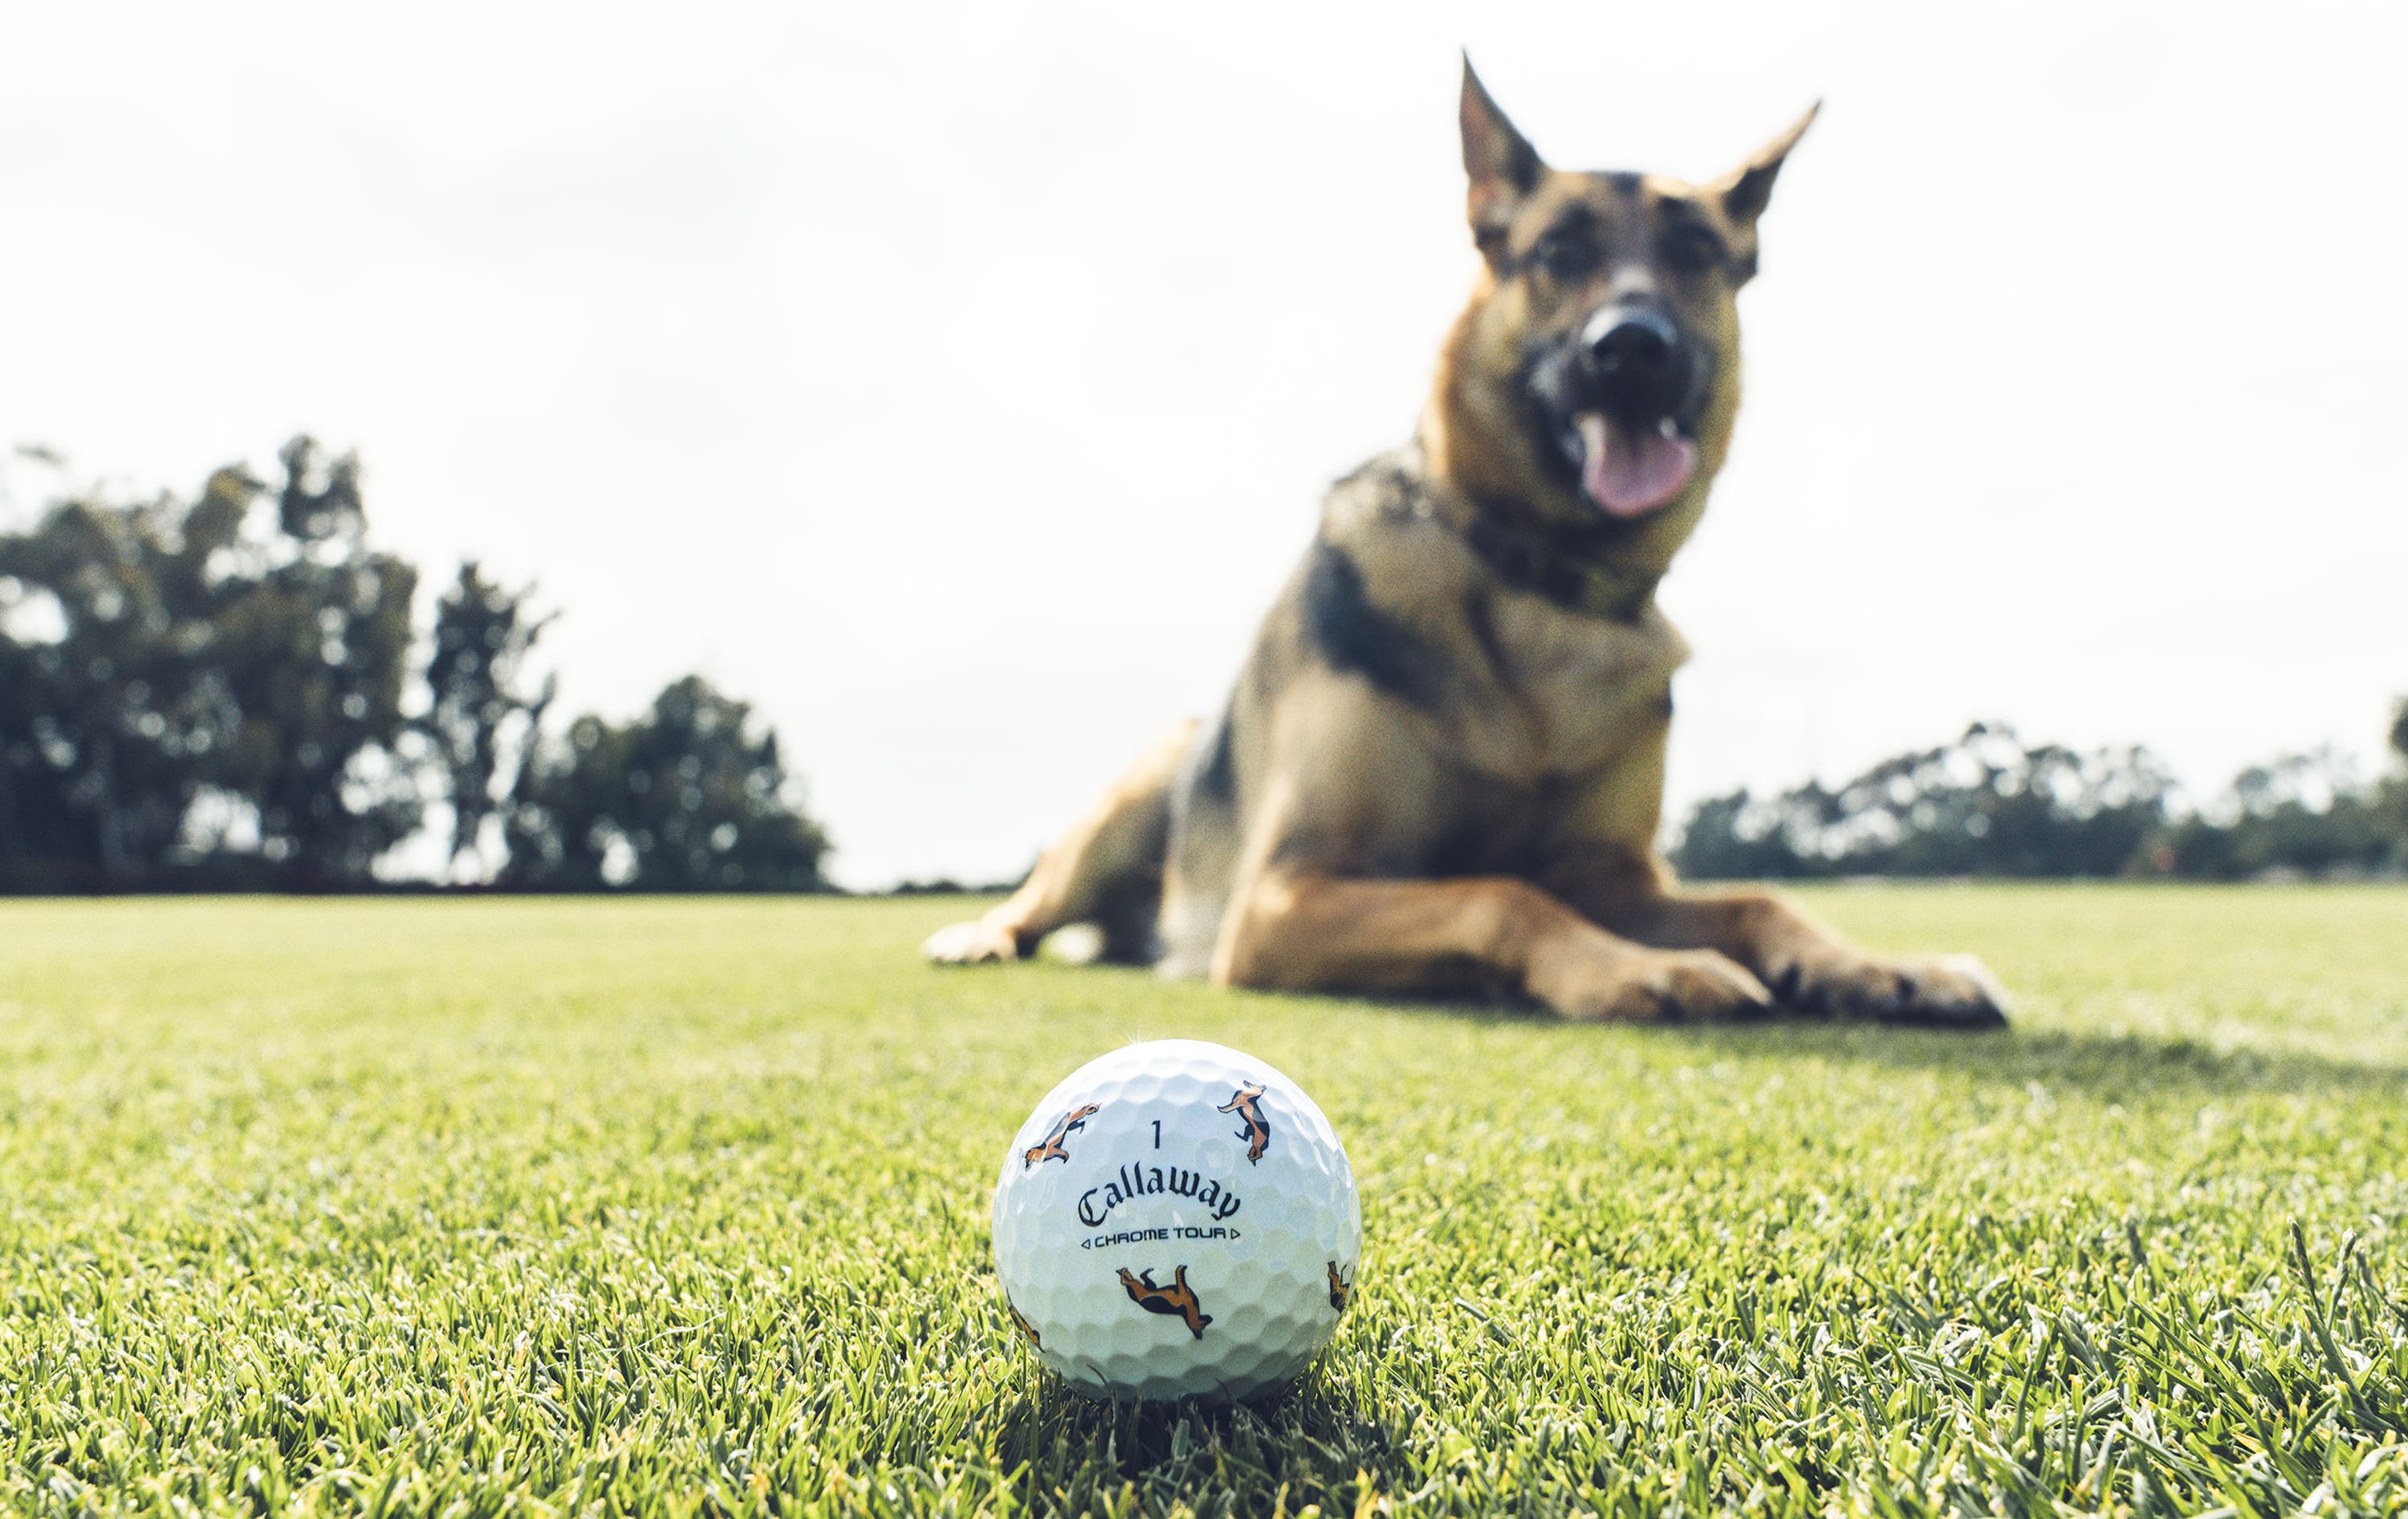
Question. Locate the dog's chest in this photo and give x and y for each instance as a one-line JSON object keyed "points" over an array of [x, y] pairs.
{"points": [[1564, 693]]}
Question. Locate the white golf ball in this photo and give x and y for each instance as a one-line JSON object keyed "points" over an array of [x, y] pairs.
{"points": [[1177, 1220]]}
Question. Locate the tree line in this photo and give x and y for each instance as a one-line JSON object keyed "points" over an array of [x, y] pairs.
{"points": [[1990, 804], [235, 690]]}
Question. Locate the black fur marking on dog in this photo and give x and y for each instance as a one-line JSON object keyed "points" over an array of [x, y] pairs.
{"points": [[1461, 852], [1216, 775], [1555, 569], [1690, 244], [1480, 616], [1355, 638], [1624, 182], [1522, 166]]}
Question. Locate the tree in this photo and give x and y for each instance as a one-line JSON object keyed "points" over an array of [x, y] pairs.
{"points": [[2391, 797], [484, 719], [1736, 836], [211, 692], [1988, 803], [2305, 813], [313, 649], [188, 683], [115, 714], [686, 797]]}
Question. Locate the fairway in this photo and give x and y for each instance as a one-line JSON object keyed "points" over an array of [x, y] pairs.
{"points": [[680, 1206]]}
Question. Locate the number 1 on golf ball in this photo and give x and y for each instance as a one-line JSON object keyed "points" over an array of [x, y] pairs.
{"points": [[1177, 1220]]}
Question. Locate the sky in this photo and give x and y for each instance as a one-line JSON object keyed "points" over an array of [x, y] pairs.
{"points": [[957, 384]]}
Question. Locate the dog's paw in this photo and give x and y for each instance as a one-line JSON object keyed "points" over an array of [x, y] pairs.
{"points": [[1651, 986], [1955, 991], [976, 943]]}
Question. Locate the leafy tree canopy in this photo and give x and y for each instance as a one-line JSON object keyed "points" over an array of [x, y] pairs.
{"points": [[219, 691]]}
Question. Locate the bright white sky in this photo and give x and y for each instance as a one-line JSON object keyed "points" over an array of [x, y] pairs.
{"points": [[959, 383]]}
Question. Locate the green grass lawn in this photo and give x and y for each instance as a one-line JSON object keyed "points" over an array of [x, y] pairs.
{"points": [[462, 1208]]}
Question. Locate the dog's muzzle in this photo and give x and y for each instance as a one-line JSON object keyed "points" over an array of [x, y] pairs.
{"points": [[1637, 366], [1628, 431]]}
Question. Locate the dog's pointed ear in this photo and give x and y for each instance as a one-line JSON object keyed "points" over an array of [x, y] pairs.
{"points": [[1746, 191], [1502, 166]]}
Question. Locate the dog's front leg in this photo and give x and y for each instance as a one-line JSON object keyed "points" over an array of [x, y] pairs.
{"points": [[1315, 932], [1807, 966]]}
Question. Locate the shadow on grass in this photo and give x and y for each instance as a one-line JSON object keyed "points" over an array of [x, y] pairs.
{"points": [[1313, 1442], [2109, 1067]]}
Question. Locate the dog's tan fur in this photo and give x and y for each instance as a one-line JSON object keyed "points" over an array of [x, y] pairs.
{"points": [[1442, 768]]}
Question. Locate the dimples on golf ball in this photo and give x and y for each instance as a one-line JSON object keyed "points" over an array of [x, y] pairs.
{"points": [[1177, 1220]]}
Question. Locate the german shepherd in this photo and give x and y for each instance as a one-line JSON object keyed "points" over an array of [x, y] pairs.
{"points": [[1441, 767]]}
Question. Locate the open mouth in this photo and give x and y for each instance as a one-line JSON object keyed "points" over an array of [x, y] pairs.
{"points": [[1629, 469]]}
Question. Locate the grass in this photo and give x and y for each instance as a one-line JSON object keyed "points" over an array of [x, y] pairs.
{"points": [[467, 1207]]}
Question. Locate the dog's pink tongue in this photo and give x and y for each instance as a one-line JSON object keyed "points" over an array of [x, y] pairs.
{"points": [[1631, 473]]}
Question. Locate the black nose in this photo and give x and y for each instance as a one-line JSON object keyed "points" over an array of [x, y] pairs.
{"points": [[1629, 343]]}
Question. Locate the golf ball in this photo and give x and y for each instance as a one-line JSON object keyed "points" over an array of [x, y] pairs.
{"points": [[1177, 1220]]}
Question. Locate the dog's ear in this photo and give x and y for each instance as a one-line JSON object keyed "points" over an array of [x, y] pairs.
{"points": [[1502, 164], [1746, 191]]}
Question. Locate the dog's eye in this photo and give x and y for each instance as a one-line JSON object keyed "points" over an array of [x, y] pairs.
{"points": [[1691, 250], [1566, 255]]}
